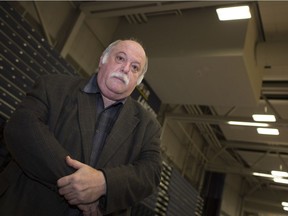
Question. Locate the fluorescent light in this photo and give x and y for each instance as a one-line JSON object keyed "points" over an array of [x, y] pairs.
{"points": [[264, 118], [263, 175], [268, 131], [276, 173], [284, 204], [255, 124], [280, 180], [285, 208], [233, 13]]}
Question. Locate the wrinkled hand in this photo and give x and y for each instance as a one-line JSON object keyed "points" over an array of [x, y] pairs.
{"points": [[90, 209], [84, 186]]}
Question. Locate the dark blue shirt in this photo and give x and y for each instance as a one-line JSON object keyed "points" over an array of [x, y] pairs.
{"points": [[105, 118]]}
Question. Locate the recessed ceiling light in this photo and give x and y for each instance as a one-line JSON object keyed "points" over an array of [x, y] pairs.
{"points": [[263, 175], [268, 131], [255, 124], [281, 180], [233, 13], [277, 173], [264, 118]]}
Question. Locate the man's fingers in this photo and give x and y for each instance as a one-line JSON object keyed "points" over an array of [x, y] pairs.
{"points": [[64, 190], [73, 201], [74, 163], [86, 184], [64, 181]]}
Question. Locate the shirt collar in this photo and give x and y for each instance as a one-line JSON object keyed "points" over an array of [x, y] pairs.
{"points": [[92, 88], [92, 85]]}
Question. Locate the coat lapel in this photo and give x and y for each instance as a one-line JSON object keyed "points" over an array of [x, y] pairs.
{"points": [[122, 128], [87, 120]]}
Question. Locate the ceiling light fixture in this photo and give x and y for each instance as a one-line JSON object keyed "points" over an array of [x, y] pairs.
{"points": [[280, 180], [268, 131], [277, 173], [263, 175], [233, 13], [285, 208], [284, 204], [264, 118], [254, 124]]}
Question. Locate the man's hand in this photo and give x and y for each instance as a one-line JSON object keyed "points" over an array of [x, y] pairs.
{"points": [[84, 186], [90, 209]]}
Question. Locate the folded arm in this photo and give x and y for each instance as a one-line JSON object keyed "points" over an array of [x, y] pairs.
{"points": [[115, 188], [32, 144]]}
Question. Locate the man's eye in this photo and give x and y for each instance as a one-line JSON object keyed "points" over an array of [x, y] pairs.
{"points": [[120, 59], [135, 68]]}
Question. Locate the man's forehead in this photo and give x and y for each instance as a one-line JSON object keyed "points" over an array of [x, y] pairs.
{"points": [[130, 48]]}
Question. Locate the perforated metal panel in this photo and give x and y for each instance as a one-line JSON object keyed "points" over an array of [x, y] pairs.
{"points": [[24, 55]]}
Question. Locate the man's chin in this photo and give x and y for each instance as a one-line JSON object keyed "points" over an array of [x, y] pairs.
{"points": [[118, 89], [120, 84]]}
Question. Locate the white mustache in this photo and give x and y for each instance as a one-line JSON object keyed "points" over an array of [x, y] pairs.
{"points": [[122, 76]]}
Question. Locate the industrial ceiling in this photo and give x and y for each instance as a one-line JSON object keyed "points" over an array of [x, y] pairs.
{"points": [[234, 70], [218, 72]]}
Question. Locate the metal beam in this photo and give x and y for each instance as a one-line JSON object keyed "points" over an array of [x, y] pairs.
{"points": [[72, 35], [113, 9], [43, 25], [216, 119], [256, 146], [232, 170]]}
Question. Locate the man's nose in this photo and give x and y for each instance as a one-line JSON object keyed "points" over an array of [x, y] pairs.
{"points": [[126, 67]]}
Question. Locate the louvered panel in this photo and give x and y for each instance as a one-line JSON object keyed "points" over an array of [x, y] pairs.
{"points": [[23, 51], [12, 59], [33, 38], [163, 198], [25, 55], [183, 197], [12, 73]]}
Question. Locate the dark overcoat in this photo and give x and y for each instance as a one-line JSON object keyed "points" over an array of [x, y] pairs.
{"points": [[56, 119]]}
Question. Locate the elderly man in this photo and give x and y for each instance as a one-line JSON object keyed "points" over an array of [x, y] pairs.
{"points": [[83, 147]]}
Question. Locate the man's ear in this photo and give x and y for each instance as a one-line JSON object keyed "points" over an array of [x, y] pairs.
{"points": [[140, 79], [103, 59]]}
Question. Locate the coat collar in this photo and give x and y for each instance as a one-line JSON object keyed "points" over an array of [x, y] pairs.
{"points": [[123, 127]]}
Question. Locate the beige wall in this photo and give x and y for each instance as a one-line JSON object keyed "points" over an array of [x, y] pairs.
{"points": [[231, 199]]}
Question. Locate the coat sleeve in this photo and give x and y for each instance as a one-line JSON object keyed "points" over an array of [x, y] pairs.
{"points": [[130, 183], [31, 143]]}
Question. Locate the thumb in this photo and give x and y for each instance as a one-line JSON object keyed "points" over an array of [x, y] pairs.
{"points": [[74, 163]]}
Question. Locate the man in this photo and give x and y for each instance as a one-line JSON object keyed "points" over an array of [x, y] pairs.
{"points": [[83, 147]]}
